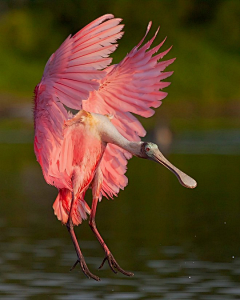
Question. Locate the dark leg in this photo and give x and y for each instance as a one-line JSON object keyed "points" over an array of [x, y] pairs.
{"points": [[109, 257], [80, 260]]}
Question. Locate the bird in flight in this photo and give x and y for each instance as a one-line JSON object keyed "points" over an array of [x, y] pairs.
{"points": [[91, 148]]}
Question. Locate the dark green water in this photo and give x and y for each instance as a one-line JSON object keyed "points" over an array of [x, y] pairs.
{"points": [[180, 243]]}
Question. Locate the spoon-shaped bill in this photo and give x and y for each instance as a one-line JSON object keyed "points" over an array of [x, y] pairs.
{"points": [[183, 178]]}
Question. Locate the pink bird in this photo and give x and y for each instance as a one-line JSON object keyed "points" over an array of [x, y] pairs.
{"points": [[90, 149]]}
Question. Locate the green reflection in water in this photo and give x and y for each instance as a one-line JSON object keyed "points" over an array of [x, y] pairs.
{"points": [[172, 238], [154, 210]]}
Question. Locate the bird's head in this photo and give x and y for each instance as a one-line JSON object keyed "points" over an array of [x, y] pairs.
{"points": [[150, 151]]}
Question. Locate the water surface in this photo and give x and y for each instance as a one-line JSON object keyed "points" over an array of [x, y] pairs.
{"points": [[180, 243]]}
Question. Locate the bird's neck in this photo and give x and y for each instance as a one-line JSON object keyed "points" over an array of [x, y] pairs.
{"points": [[109, 134], [133, 147]]}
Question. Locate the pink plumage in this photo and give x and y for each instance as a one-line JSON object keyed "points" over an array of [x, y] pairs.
{"points": [[90, 149]]}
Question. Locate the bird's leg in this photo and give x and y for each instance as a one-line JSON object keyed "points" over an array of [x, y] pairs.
{"points": [[81, 260], [109, 257]]}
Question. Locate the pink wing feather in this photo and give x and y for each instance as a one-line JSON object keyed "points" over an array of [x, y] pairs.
{"points": [[70, 74], [71, 71], [132, 86]]}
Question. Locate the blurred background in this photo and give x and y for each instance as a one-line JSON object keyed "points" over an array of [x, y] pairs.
{"points": [[181, 244]]}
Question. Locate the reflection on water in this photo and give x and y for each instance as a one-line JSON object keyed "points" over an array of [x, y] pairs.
{"points": [[173, 277], [180, 244]]}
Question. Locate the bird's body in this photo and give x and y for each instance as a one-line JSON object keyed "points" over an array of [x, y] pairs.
{"points": [[92, 147], [86, 147]]}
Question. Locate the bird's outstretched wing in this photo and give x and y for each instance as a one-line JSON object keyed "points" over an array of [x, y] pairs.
{"points": [[69, 75], [71, 71], [132, 86]]}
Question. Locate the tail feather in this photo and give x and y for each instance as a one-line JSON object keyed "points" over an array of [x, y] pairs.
{"points": [[80, 211], [62, 205]]}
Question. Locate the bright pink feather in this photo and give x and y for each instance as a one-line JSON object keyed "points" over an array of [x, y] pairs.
{"points": [[132, 86], [77, 76], [69, 76]]}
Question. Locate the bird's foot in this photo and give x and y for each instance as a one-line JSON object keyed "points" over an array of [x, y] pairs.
{"points": [[85, 269], [114, 265]]}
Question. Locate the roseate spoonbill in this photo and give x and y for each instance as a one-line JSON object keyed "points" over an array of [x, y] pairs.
{"points": [[91, 148]]}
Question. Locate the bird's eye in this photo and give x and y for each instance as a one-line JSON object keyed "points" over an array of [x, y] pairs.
{"points": [[147, 149]]}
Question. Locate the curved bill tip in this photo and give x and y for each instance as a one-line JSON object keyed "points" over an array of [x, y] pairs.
{"points": [[186, 180]]}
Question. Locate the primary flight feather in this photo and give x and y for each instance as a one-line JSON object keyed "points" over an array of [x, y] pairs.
{"points": [[92, 147]]}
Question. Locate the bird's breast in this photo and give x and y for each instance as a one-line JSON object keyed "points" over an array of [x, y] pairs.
{"points": [[87, 146], [87, 151]]}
